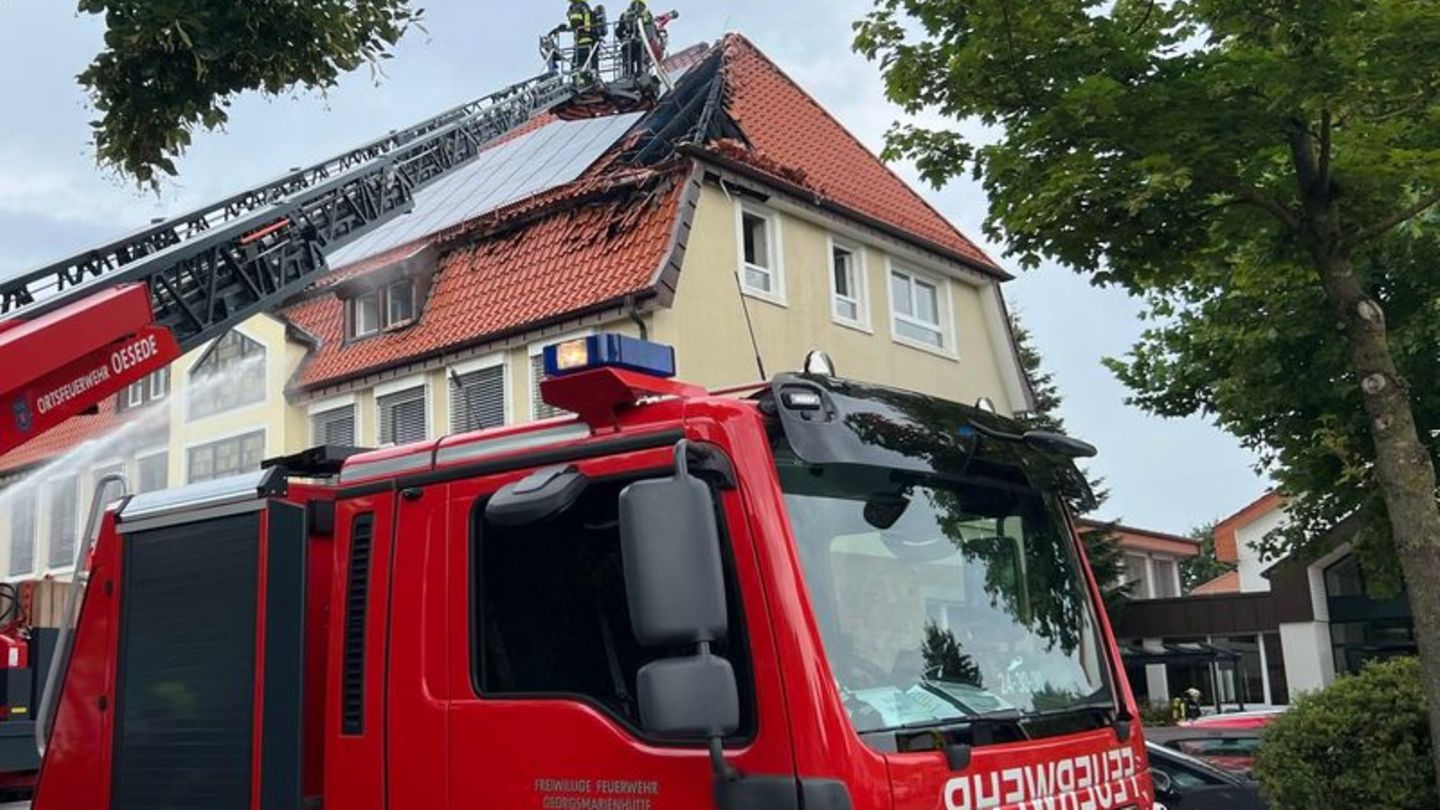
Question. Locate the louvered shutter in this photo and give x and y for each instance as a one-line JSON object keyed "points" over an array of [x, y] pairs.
{"points": [[477, 400], [22, 535], [537, 403], [64, 521], [335, 427], [402, 416]]}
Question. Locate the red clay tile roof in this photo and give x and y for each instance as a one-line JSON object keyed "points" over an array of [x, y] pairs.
{"points": [[580, 256], [1227, 547], [787, 126], [53, 442], [1228, 582]]}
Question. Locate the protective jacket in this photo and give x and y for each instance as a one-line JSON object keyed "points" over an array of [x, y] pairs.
{"points": [[582, 22]]}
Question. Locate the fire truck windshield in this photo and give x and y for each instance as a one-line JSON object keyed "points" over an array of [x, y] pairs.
{"points": [[943, 599]]}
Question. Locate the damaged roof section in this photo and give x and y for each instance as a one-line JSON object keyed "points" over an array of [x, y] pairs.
{"points": [[576, 215]]}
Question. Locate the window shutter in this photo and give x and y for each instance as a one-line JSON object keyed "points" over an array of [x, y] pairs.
{"points": [[334, 427], [537, 403], [22, 536], [477, 400], [402, 416], [64, 517]]}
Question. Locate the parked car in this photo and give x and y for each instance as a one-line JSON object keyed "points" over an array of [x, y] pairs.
{"points": [[1184, 782], [1227, 741]]}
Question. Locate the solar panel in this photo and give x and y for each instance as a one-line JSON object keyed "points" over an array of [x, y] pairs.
{"points": [[535, 162]]}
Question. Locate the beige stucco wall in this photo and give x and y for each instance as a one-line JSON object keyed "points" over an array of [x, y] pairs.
{"points": [[707, 323]]}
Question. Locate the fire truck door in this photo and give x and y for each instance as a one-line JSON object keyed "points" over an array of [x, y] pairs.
{"points": [[418, 695], [543, 659]]}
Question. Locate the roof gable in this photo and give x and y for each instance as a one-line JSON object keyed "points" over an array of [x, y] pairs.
{"points": [[786, 126]]}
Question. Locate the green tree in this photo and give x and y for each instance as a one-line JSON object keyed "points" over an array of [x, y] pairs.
{"points": [[1102, 544], [1192, 149], [1205, 566], [171, 66]]}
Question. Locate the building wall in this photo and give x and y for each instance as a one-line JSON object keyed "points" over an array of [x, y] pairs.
{"points": [[707, 322], [1248, 538]]}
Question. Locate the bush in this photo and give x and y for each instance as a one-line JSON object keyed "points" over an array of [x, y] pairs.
{"points": [[1361, 742]]}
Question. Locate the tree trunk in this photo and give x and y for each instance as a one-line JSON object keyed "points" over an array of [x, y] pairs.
{"points": [[1403, 465]]}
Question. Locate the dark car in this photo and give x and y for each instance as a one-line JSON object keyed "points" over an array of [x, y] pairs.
{"points": [[1183, 782]]}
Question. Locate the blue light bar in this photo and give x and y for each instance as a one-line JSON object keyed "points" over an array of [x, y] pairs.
{"points": [[609, 351]]}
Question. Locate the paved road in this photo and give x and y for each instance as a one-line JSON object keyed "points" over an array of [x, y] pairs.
{"points": [[15, 806]]}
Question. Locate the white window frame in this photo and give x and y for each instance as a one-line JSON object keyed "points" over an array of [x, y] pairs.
{"points": [[331, 404], [480, 364], [256, 427], [943, 302], [394, 387], [531, 352], [135, 394], [385, 320], [263, 402], [377, 327], [158, 391], [859, 280], [776, 244]]}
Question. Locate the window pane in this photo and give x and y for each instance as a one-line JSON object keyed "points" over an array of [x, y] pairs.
{"points": [[477, 400], [756, 234], [927, 305], [231, 375], [366, 318], [1165, 584], [843, 265], [226, 457], [922, 334], [562, 580], [1135, 570], [848, 310], [152, 473], [900, 294], [757, 279], [401, 303]]}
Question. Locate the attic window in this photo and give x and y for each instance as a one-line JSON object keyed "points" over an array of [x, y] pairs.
{"points": [[390, 307]]}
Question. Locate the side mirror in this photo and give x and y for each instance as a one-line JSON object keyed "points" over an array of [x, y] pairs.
{"points": [[670, 544], [1164, 785], [675, 587]]}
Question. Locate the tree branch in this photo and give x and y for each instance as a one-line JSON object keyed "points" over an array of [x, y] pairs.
{"points": [[1386, 225], [1253, 197], [1326, 136]]}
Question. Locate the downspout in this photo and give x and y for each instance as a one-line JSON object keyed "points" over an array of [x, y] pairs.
{"points": [[633, 306]]}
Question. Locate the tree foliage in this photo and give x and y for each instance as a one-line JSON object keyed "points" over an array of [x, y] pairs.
{"points": [[1205, 566], [171, 66], [1262, 172]]}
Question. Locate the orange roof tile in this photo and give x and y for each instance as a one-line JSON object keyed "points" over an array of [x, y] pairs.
{"points": [[1228, 582], [53, 442], [561, 263], [1227, 548], [789, 127]]}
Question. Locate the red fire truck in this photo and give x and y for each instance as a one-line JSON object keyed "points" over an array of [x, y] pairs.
{"points": [[813, 593]]}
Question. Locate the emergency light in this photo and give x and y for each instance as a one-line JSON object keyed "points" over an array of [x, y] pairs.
{"points": [[609, 350]]}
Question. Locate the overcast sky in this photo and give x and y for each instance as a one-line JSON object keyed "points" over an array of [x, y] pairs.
{"points": [[1164, 474]]}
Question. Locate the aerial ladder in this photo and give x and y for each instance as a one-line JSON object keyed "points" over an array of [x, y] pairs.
{"points": [[81, 329]]}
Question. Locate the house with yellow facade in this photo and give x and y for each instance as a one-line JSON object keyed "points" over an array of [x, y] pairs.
{"points": [[736, 220]]}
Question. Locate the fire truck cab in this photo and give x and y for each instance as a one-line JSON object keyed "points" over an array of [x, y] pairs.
{"points": [[813, 593]]}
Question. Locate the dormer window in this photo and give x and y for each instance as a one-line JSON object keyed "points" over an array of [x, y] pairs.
{"points": [[389, 307]]}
